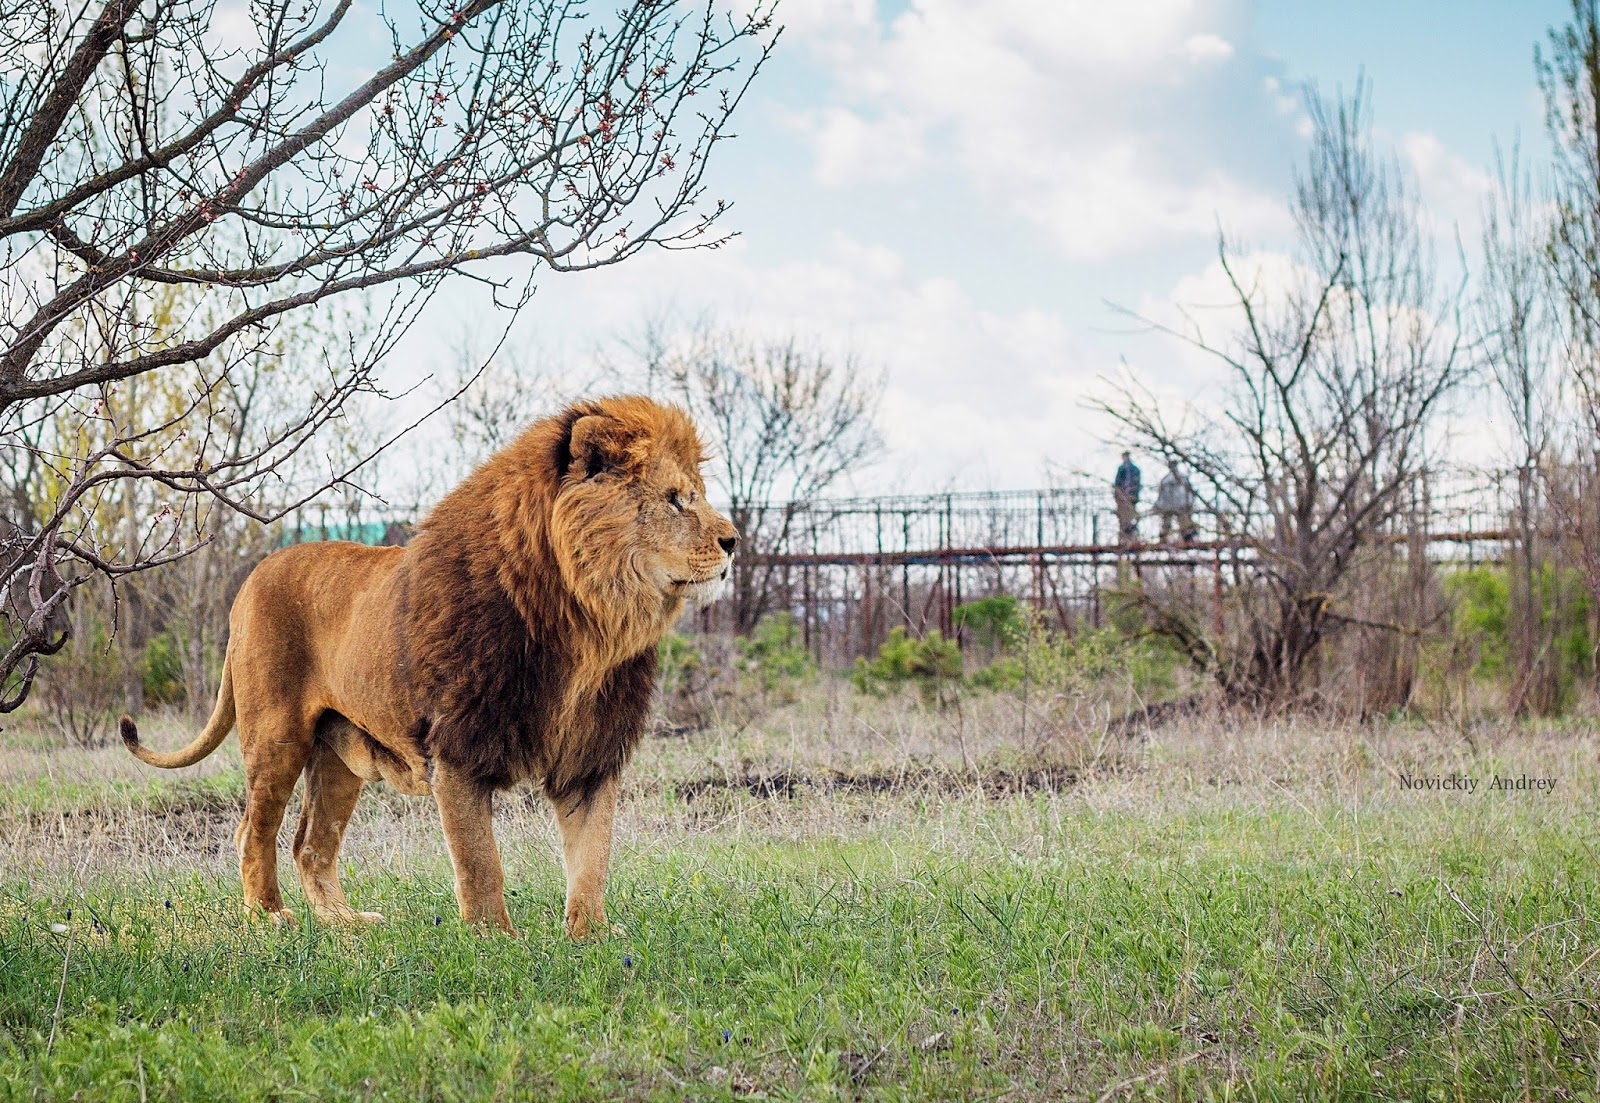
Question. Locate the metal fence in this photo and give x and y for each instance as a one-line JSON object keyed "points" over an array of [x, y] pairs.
{"points": [[852, 569]]}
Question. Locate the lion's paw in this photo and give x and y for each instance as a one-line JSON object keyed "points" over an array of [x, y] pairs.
{"points": [[582, 925], [487, 926]]}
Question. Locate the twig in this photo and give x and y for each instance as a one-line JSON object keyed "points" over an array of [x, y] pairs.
{"points": [[1483, 934], [61, 991]]}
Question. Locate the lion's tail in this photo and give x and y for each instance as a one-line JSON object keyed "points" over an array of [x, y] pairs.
{"points": [[216, 730]]}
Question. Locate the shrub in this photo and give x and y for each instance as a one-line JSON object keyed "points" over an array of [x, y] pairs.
{"points": [[993, 621], [1481, 624], [775, 654], [162, 673], [1481, 621], [1093, 659], [82, 687], [931, 663], [677, 660], [706, 680]]}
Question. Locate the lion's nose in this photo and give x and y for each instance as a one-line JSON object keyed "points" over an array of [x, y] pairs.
{"points": [[728, 543]]}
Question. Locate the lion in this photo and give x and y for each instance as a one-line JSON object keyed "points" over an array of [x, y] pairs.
{"points": [[513, 640]]}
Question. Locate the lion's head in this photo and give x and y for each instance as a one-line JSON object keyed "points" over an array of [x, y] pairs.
{"points": [[630, 523]]}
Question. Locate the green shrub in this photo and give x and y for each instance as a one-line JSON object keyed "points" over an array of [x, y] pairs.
{"points": [[1482, 617], [776, 654], [1092, 658], [993, 621], [1481, 623], [931, 663], [162, 671], [678, 660]]}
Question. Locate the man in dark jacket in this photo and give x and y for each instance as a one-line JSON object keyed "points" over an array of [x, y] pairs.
{"points": [[1126, 489]]}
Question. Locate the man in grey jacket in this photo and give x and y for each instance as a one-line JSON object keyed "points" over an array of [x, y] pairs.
{"points": [[1175, 505]]}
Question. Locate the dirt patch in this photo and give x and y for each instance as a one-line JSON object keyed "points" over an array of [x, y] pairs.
{"points": [[792, 784]]}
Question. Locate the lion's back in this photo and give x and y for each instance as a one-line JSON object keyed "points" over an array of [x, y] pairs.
{"points": [[315, 585]]}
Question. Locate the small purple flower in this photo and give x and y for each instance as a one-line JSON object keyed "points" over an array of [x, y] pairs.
{"points": [[725, 1037], [167, 903], [627, 961], [438, 919]]}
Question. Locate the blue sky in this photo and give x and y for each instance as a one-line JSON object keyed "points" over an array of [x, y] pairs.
{"points": [[955, 189]]}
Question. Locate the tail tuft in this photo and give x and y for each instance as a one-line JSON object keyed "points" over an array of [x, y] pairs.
{"points": [[216, 730]]}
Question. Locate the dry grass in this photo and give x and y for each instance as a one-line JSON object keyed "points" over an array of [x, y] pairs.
{"points": [[817, 768]]}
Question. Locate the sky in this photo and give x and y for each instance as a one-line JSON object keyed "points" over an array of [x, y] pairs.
{"points": [[961, 193]]}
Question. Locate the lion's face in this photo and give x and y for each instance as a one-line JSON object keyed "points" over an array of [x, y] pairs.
{"points": [[631, 523]]}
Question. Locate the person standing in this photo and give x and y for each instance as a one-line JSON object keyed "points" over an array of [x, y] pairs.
{"points": [[1175, 505], [1126, 488]]}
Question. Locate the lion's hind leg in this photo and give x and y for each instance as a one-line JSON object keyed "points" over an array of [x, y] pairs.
{"points": [[275, 752], [330, 797]]}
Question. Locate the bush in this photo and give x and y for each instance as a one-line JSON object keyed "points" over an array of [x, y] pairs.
{"points": [[677, 662], [1481, 625], [931, 663], [1093, 659], [993, 621], [775, 654], [82, 688], [706, 680], [162, 674]]}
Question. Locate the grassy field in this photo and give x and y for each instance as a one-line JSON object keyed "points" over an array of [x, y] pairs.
{"points": [[853, 903]]}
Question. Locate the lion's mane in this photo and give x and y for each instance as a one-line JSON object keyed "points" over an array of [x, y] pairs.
{"points": [[517, 675]]}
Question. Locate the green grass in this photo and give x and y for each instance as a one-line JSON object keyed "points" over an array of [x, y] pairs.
{"points": [[1031, 948]]}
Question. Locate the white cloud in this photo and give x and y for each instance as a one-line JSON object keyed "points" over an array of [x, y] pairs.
{"points": [[1078, 116], [1282, 102], [974, 395], [1116, 201], [1453, 191], [849, 148], [1207, 47]]}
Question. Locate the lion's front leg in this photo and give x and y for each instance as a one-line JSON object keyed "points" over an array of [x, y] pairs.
{"points": [[466, 808], [586, 847]]}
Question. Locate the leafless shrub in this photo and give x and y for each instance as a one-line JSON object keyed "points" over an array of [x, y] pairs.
{"points": [[1569, 76], [85, 688], [1323, 434]]}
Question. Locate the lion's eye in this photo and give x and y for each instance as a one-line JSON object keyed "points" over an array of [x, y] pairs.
{"points": [[673, 500]]}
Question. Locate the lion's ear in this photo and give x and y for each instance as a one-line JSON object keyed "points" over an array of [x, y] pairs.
{"points": [[598, 444]]}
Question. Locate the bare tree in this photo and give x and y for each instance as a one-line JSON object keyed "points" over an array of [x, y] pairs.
{"points": [[1520, 328], [1324, 431], [1569, 76], [141, 150], [502, 390], [787, 420]]}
